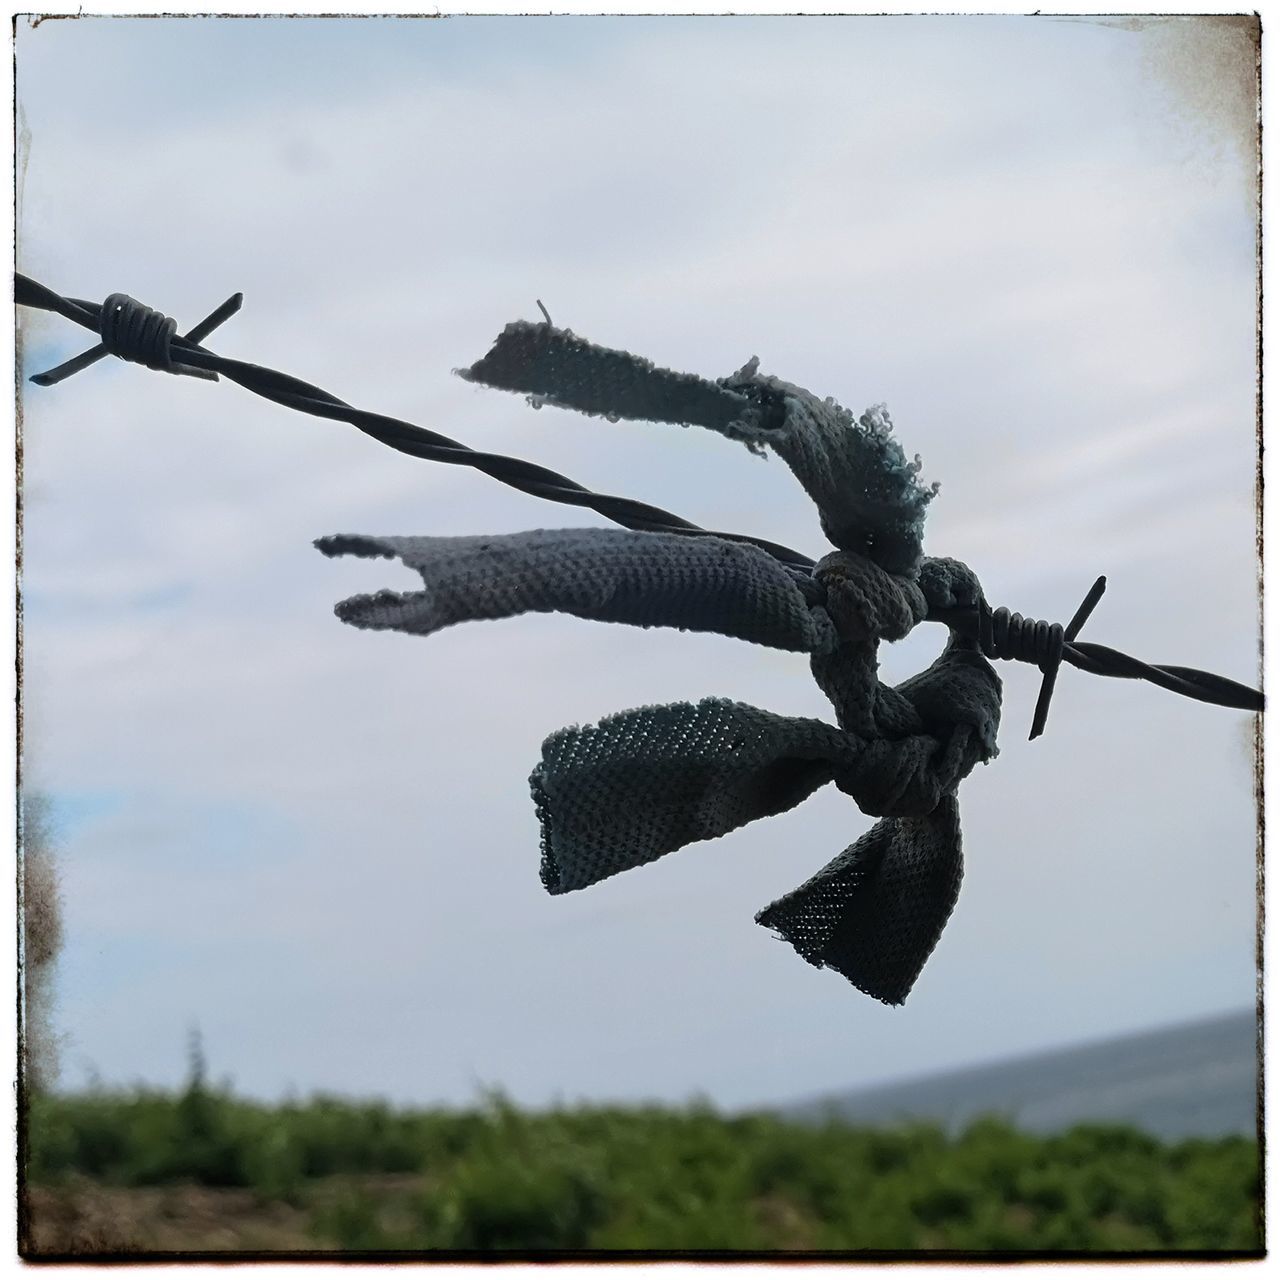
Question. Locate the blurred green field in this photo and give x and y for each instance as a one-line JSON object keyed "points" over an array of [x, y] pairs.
{"points": [[203, 1170]]}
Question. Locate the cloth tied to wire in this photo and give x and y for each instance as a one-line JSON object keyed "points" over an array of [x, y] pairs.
{"points": [[648, 781]]}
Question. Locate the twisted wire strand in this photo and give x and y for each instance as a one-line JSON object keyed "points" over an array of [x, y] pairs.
{"points": [[418, 442], [116, 339], [1020, 639]]}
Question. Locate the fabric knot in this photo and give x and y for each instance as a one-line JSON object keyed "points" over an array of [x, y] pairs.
{"points": [[866, 602], [638, 785], [956, 705], [907, 778], [960, 688], [868, 493], [948, 583], [892, 778]]}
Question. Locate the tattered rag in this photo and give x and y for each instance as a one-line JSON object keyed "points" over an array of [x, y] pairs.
{"points": [[646, 782]]}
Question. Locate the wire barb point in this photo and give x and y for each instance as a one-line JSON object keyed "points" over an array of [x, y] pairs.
{"points": [[136, 333], [1069, 633]]}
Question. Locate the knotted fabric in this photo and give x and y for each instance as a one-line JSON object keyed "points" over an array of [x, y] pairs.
{"points": [[646, 782], [867, 493]]}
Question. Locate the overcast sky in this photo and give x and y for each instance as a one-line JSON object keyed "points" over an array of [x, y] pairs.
{"points": [[1033, 238]]}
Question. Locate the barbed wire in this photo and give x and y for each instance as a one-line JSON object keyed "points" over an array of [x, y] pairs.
{"points": [[136, 333], [122, 322]]}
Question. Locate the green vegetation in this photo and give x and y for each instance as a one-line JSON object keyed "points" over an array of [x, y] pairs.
{"points": [[653, 1179]]}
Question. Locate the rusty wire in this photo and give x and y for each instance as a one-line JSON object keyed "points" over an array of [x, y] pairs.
{"points": [[136, 333]]}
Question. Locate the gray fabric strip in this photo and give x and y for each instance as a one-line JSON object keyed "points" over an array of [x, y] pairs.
{"points": [[611, 575], [563, 369], [646, 782], [876, 912], [867, 492]]}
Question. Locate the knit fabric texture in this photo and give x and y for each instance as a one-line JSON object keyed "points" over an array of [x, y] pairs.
{"points": [[611, 575], [555, 366], [875, 912], [643, 783], [868, 494], [646, 782]]}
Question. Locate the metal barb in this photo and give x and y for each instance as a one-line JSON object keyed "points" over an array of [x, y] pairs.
{"points": [[1000, 634], [1069, 633], [197, 335]]}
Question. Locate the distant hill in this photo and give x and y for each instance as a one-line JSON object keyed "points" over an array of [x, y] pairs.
{"points": [[1195, 1080]]}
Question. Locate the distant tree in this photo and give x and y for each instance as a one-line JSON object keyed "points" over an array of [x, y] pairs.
{"points": [[41, 909]]}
